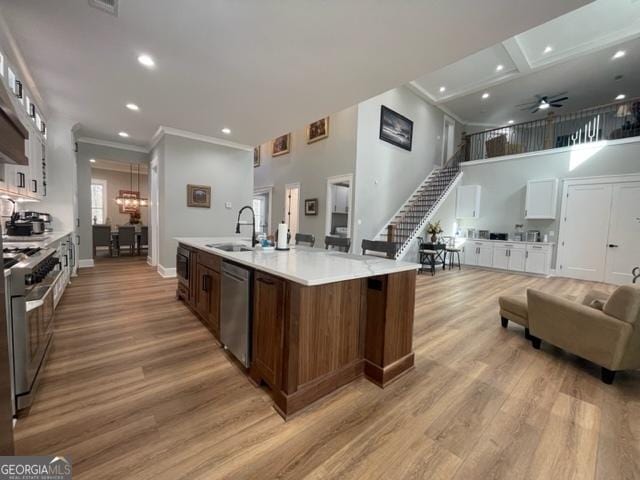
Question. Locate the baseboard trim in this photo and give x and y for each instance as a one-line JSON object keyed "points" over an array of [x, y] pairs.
{"points": [[167, 272], [150, 261], [86, 263]]}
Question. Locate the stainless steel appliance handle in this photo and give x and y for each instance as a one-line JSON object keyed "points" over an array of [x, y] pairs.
{"points": [[37, 303], [236, 278]]}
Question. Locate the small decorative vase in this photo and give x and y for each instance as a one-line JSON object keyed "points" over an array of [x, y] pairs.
{"points": [[434, 238]]}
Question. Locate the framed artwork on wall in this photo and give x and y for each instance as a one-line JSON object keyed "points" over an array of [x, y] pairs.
{"points": [[256, 156], [281, 145], [395, 128], [125, 206], [198, 196], [318, 130], [311, 206]]}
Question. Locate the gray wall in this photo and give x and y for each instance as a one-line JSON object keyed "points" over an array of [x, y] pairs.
{"points": [[85, 152], [183, 161], [387, 175], [310, 165]]}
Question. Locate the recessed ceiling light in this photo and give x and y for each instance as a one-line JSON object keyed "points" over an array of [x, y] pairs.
{"points": [[510, 122], [133, 106], [442, 89], [548, 49], [146, 60], [622, 96], [226, 131], [619, 54], [485, 95], [123, 134], [92, 160], [499, 68]]}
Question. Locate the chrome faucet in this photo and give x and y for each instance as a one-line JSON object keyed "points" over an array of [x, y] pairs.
{"points": [[252, 223]]}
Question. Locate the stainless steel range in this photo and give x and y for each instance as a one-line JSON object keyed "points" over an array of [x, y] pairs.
{"points": [[34, 275]]}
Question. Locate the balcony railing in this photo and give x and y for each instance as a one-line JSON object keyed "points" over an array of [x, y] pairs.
{"points": [[605, 122]]}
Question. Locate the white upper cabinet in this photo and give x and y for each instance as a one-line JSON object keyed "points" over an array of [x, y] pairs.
{"points": [[541, 200], [468, 201]]}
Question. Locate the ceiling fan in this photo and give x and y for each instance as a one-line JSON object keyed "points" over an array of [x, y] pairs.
{"points": [[543, 102]]}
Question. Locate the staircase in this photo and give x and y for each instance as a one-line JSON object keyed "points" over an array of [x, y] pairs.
{"points": [[413, 216]]}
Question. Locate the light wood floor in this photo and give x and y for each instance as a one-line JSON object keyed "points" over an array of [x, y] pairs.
{"points": [[137, 388]]}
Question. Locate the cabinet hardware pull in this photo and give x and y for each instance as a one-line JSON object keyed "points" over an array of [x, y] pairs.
{"points": [[34, 189], [526, 254], [613, 245], [205, 283], [265, 280]]}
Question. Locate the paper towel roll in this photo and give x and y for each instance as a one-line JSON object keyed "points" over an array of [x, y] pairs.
{"points": [[283, 231]]}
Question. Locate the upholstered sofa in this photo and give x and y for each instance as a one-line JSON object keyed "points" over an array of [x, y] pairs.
{"points": [[605, 331]]}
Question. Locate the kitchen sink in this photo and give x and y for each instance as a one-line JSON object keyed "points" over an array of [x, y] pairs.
{"points": [[230, 247]]}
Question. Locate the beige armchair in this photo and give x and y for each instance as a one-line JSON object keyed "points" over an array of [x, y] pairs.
{"points": [[603, 331]]}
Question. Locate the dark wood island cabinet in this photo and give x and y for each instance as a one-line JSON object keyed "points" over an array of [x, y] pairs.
{"points": [[309, 340]]}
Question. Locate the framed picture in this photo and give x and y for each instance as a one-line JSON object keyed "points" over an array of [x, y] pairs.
{"points": [[280, 145], [128, 208], [198, 196], [318, 130], [256, 156], [311, 206], [395, 129]]}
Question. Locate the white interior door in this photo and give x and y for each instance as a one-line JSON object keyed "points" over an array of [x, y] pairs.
{"points": [[623, 245], [448, 139], [292, 208], [585, 229]]}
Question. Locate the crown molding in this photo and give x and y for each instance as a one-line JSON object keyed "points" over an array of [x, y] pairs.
{"points": [[162, 131], [107, 143]]}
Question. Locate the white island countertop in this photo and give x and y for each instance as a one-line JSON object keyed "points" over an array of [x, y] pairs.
{"points": [[303, 265]]}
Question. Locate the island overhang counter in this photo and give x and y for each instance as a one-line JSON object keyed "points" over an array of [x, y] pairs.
{"points": [[320, 319]]}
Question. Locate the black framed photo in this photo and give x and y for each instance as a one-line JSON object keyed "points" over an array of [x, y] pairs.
{"points": [[395, 128], [311, 206]]}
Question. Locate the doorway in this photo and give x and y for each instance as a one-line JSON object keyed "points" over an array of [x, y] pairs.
{"points": [[338, 208], [448, 139], [262, 208], [292, 207], [599, 230]]}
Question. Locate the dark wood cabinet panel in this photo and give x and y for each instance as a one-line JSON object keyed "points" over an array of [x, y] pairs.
{"points": [[268, 327], [203, 298], [214, 303], [211, 261]]}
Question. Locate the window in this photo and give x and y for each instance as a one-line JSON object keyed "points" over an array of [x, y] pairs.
{"points": [[258, 208], [11, 78], [98, 201], [1, 64]]}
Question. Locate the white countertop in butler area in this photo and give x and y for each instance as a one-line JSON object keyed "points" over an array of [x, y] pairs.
{"points": [[42, 240], [304, 265]]}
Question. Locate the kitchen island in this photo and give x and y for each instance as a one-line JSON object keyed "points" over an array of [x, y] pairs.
{"points": [[320, 319]]}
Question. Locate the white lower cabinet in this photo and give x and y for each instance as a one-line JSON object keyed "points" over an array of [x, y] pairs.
{"points": [[515, 257]]}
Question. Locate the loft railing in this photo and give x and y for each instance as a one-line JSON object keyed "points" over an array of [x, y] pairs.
{"points": [[606, 122]]}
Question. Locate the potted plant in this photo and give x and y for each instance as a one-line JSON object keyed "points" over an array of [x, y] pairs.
{"points": [[134, 217], [434, 229]]}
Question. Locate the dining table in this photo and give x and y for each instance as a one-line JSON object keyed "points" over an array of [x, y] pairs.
{"points": [[115, 237]]}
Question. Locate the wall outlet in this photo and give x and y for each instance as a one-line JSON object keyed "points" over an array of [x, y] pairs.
{"points": [[227, 205]]}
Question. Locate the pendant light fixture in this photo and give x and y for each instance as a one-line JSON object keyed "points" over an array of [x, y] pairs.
{"points": [[129, 201]]}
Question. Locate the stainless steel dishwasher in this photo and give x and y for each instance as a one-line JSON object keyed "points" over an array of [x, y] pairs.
{"points": [[235, 311]]}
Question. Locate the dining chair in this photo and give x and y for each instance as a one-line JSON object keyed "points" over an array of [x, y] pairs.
{"points": [[127, 238], [143, 238], [305, 238], [337, 243], [452, 251], [102, 238], [377, 247]]}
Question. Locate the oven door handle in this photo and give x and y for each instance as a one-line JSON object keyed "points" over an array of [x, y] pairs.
{"points": [[39, 302]]}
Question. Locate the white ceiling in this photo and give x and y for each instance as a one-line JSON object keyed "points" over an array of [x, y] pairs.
{"points": [[259, 67], [580, 62]]}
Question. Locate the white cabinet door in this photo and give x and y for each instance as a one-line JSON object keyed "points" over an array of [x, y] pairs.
{"points": [[517, 259], [470, 254], [541, 199], [485, 256], [537, 261], [501, 257], [623, 244], [468, 201]]}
